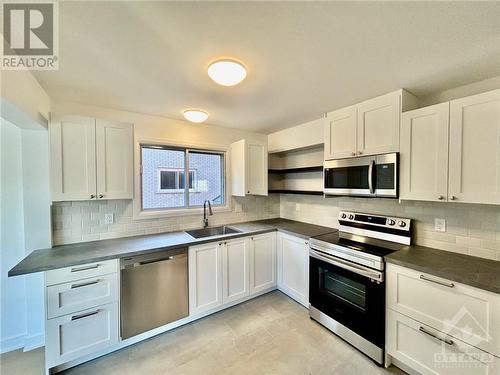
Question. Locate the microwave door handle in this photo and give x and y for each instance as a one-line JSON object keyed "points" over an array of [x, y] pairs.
{"points": [[370, 176]]}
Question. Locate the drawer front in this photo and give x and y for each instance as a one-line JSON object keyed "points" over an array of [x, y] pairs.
{"points": [[82, 271], [420, 347], [469, 314], [83, 294], [72, 336]]}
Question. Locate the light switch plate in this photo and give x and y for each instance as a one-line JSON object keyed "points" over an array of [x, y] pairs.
{"points": [[108, 218], [440, 225]]}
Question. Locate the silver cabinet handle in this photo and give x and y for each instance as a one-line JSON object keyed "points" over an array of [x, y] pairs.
{"points": [[101, 195], [85, 315], [440, 282], [92, 196], [78, 269], [353, 154], [440, 197], [453, 198], [74, 286], [445, 340]]}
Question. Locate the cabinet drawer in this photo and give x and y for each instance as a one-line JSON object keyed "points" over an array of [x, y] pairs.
{"points": [[72, 336], [429, 351], [82, 271], [469, 314], [83, 294]]}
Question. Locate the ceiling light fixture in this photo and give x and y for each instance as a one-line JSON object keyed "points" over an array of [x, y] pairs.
{"points": [[195, 115], [227, 72]]}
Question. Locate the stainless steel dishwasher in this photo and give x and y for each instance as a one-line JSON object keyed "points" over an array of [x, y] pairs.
{"points": [[154, 290]]}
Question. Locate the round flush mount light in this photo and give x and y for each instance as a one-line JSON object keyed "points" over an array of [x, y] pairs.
{"points": [[227, 72], [195, 115]]}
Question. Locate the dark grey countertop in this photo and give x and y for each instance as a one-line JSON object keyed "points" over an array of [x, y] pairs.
{"points": [[465, 269], [88, 252]]}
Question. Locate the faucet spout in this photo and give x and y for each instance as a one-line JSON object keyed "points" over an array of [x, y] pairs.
{"points": [[210, 212]]}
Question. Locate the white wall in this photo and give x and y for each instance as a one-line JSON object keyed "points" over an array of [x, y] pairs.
{"points": [[25, 206]]}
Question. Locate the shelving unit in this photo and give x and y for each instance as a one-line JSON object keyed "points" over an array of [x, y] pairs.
{"points": [[298, 171]]}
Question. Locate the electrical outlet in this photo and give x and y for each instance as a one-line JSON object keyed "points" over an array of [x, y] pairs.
{"points": [[440, 225], [108, 218]]}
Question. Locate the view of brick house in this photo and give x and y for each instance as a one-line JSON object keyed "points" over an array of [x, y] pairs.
{"points": [[163, 180]]}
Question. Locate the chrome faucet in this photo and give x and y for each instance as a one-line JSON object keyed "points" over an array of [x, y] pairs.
{"points": [[205, 217]]}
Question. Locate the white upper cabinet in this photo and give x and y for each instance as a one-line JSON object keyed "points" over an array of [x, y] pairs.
{"points": [[424, 153], [73, 158], [249, 168], [340, 133], [474, 162], [378, 125], [367, 128], [90, 159], [114, 146]]}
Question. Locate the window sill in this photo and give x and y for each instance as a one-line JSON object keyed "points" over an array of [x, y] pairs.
{"points": [[159, 214]]}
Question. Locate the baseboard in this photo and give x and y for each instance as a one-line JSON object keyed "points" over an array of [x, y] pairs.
{"points": [[34, 342], [12, 343]]}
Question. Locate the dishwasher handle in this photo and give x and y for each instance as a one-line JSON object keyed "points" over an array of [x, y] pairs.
{"points": [[142, 260]]}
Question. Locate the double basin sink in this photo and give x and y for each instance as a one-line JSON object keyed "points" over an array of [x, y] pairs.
{"points": [[210, 232]]}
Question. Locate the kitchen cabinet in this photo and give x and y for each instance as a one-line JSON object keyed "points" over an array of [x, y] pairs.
{"points": [[455, 309], [424, 153], [466, 171], [235, 269], [293, 267], [90, 159], [340, 133], [82, 311], [367, 128], [249, 167], [262, 262], [474, 162], [205, 277]]}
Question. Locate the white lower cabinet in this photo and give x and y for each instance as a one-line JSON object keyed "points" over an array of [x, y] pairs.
{"points": [[428, 351], [72, 336], [262, 262], [293, 267], [438, 326], [205, 277], [235, 269]]}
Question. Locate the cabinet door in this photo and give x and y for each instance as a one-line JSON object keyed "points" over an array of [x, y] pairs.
{"points": [[205, 277], [256, 168], [474, 169], [293, 267], [262, 262], [340, 133], [235, 269], [424, 153], [114, 146], [73, 158], [425, 350], [378, 124], [75, 335]]}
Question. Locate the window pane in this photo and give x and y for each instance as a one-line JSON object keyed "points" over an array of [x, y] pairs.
{"points": [[154, 163], [205, 178]]}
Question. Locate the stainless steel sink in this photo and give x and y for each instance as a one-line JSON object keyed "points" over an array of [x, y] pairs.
{"points": [[214, 231]]}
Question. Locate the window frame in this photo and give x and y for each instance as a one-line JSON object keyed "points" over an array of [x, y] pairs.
{"points": [[177, 190], [138, 213]]}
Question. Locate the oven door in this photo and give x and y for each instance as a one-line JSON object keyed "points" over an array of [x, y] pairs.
{"points": [[349, 177], [351, 294]]}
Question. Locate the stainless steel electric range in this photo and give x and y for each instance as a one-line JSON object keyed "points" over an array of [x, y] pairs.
{"points": [[347, 277]]}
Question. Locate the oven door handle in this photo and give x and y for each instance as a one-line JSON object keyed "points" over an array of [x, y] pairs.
{"points": [[360, 270]]}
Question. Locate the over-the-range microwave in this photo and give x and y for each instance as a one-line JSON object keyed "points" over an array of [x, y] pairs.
{"points": [[368, 176]]}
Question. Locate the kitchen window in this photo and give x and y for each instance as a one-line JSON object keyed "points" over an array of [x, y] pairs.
{"points": [[164, 185]]}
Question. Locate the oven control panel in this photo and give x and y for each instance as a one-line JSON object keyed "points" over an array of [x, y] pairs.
{"points": [[397, 223]]}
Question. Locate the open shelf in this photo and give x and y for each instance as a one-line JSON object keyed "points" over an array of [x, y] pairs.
{"points": [[305, 192], [316, 168]]}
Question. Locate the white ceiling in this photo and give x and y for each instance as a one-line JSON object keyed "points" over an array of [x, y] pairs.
{"points": [[304, 58]]}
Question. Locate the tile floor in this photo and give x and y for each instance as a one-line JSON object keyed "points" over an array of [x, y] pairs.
{"points": [[271, 334]]}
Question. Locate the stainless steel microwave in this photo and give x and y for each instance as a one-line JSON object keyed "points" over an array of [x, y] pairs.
{"points": [[368, 176]]}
